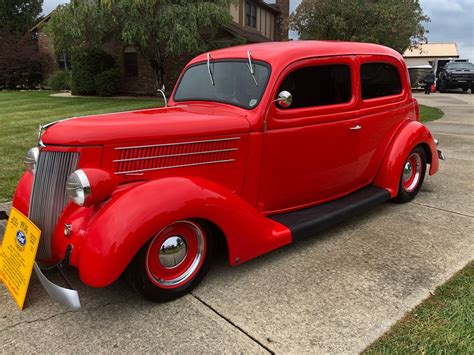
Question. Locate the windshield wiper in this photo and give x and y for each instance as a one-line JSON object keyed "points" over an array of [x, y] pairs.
{"points": [[211, 74], [251, 68]]}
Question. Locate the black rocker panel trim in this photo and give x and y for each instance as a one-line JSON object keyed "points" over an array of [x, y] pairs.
{"points": [[309, 221]]}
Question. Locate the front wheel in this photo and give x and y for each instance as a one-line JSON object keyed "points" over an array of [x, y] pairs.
{"points": [[442, 86], [412, 177], [173, 262]]}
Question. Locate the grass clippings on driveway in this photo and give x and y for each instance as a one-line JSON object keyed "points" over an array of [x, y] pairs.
{"points": [[428, 113], [21, 113], [442, 324]]}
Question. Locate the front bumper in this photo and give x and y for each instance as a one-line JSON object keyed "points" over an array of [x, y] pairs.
{"points": [[64, 296]]}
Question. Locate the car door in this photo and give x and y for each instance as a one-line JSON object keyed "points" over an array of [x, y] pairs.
{"points": [[310, 148], [385, 104]]}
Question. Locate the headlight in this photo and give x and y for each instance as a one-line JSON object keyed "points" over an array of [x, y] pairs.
{"points": [[31, 159], [78, 188], [87, 187]]}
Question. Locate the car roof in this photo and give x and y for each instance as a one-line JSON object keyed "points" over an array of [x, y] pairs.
{"points": [[273, 52]]}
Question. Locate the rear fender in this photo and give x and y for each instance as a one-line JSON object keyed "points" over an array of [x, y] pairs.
{"points": [[126, 223], [408, 137]]}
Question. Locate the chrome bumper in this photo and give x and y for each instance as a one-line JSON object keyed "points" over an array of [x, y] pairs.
{"points": [[64, 296], [441, 155]]}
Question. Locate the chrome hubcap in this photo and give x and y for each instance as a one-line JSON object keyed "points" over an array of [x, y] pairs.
{"points": [[412, 172], [176, 254], [407, 171], [172, 252]]}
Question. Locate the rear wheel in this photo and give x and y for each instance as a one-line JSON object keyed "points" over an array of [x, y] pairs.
{"points": [[413, 175], [173, 262]]}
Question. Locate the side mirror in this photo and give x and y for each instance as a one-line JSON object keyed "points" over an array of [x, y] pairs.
{"points": [[285, 99]]}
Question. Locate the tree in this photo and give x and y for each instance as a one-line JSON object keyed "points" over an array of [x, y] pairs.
{"points": [[80, 25], [18, 16], [159, 29], [396, 24], [19, 62]]}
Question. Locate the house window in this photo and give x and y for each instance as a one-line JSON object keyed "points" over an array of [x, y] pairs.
{"points": [[379, 80], [319, 85], [130, 60], [250, 14], [64, 62]]}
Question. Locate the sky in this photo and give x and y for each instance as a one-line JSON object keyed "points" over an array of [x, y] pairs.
{"points": [[451, 21]]}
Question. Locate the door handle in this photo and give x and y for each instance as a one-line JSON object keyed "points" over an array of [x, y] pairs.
{"points": [[356, 128]]}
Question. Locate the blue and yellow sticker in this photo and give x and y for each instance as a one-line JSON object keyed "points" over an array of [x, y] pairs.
{"points": [[18, 254]]}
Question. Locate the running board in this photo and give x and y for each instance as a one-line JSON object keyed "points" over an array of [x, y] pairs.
{"points": [[309, 221]]}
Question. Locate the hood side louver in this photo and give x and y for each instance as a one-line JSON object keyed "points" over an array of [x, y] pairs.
{"points": [[141, 159]]}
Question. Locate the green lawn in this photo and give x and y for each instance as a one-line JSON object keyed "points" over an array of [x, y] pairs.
{"points": [[22, 112], [428, 113], [443, 324]]}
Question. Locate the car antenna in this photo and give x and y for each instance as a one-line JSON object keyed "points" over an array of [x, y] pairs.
{"points": [[211, 75], [251, 68]]}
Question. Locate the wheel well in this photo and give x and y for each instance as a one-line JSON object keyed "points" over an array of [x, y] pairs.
{"points": [[427, 150], [222, 247]]}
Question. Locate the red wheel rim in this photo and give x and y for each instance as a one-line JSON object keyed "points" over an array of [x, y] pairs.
{"points": [[412, 172], [176, 254]]}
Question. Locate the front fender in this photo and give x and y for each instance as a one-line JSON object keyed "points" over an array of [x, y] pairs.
{"points": [[408, 137], [126, 223], [21, 199]]}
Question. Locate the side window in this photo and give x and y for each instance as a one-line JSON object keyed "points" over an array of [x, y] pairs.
{"points": [[318, 86], [64, 62], [379, 80], [250, 14]]}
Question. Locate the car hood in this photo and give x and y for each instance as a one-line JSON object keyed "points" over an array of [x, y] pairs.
{"points": [[180, 121]]}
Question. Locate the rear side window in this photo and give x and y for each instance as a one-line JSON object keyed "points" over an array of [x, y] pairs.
{"points": [[318, 86], [379, 80]]}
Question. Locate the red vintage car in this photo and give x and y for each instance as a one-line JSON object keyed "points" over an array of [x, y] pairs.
{"points": [[259, 146]]}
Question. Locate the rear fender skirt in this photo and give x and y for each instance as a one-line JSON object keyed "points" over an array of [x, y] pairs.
{"points": [[408, 137], [118, 231]]}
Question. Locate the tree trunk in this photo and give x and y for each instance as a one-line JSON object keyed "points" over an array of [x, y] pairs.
{"points": [[159, 75]]}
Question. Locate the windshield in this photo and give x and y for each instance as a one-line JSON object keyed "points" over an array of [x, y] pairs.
{"points": [[467, 66], [233, 83]]}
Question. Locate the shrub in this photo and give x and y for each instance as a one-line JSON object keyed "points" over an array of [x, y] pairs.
{"points": [[20, 66], [108, 83], [60, 80], [86, 66]]}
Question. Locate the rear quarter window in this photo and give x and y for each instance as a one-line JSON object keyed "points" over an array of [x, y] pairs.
{"points": [[379, 80]]}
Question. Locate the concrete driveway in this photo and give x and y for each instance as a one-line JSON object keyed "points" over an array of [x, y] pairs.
{"points": [[334, 293]]}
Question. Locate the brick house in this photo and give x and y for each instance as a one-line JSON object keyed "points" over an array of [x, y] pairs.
{"points": [[253, 20]]}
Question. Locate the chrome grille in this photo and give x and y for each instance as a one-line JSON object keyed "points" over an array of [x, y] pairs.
{"points": [[48, 198]]}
